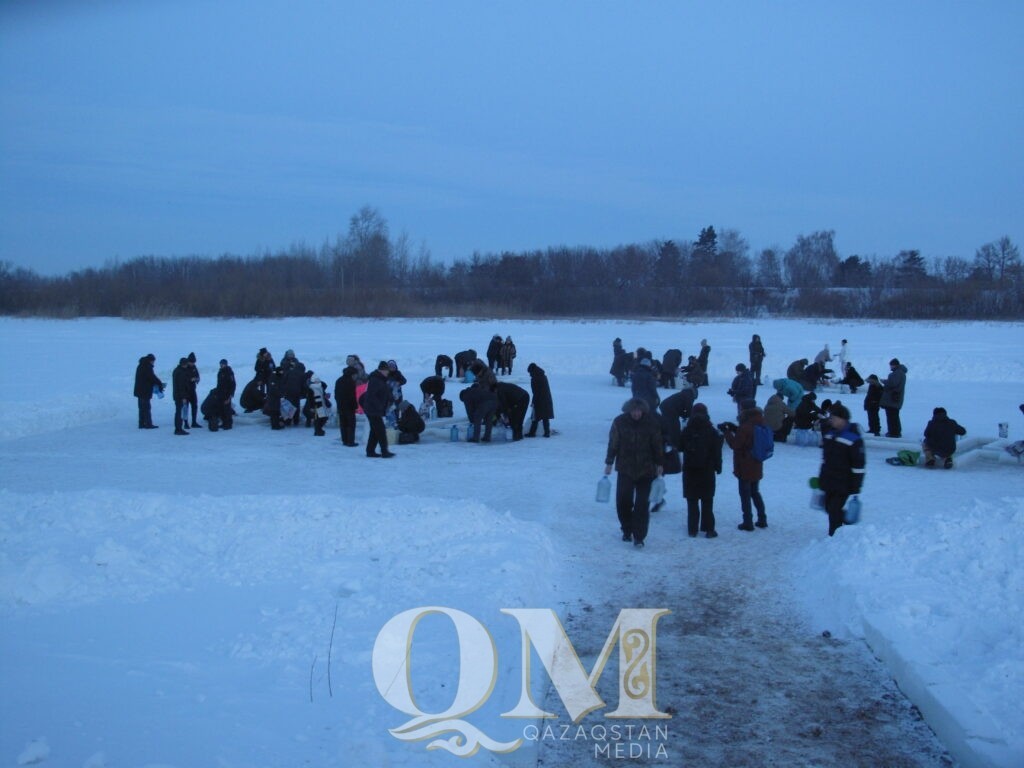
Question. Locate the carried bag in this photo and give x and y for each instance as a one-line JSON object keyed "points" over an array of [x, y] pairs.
{"points": [[287, 409], [657, 491]]}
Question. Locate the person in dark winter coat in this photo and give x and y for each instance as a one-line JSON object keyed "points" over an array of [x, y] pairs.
{"points": [[275, 393], [294, 382], [462, 362], [193, 389], [432, 388], [622, 363], [742, 387], [748, 470], [375, 401], [636, 452], [872, 404], [225, 392], [892, 397], [852, 379], [807, 412], [345, 402], [443, 362], [181, 384], [812, 375], [481, 404], [543, 405], [940, 439], [702, 358], [212, 409], [673, 408], [757, 356], [506, 356], [670, 364], [692, 372], [842, 465], [493, 351], [795, 371], [146, 381], [513, 403], [264, 368], [700, 446], [395, 381], [644, 385]]}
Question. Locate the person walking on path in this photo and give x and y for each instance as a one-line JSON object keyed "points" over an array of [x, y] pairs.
{"points": [[635, 451], [748, 470], [757, 356], [842, 464], [700, 446]]}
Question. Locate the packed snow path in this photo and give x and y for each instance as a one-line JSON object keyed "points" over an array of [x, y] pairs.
{"points": [[747, 684]]}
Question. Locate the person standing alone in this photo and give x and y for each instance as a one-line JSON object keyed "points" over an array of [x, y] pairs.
{"points": [[842, 464]]}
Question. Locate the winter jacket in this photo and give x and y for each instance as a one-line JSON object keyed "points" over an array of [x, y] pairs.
{"points": [[395, 382], [493, 350], [700, 446], [940, 435], [756, 353], [673, 408], [317, 396], [225, 383], [463, 359], [842, 465], [645, 386], [795, 371], [807, 412], [377, 397], [181, 382], [507, 354], [345, 390], [146, 379], [742, 387], [480, 401], [275, 391], [741, 440], [776, 411], [873, 398], [789, 389], [512, 398], [543, 405], [635, 445], [811, 374], [894, 388], [294, 380], [433, 387], [823, 357]]}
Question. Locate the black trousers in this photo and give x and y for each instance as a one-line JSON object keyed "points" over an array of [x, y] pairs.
{"points": [[700, 513], [145, 412], [892, 421], [633, 504], [378, 435], [535, 422], [874, 423], [834, 503], [347, 423]]}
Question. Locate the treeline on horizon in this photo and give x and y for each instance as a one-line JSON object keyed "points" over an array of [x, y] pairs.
{"points": [[366, 273]]}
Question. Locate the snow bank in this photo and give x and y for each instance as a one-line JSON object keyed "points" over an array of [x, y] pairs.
{"points": [[938, 597]]}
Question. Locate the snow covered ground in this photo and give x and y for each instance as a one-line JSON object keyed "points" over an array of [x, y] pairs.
{"points": [[214, 600]]}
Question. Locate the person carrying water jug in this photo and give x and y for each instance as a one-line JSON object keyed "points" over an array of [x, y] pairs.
{"points": [[842, 464], [635, 449]]}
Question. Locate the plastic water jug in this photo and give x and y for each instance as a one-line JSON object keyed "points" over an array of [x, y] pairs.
{"points": [[604, 489], [158, 392], [454, 433], [508, 434], [851, 515], [657, 491], [433, 411]]}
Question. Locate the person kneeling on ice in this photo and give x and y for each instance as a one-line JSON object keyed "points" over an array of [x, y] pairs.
{"points": [[940, 439], [635, 450], [842, 464]]}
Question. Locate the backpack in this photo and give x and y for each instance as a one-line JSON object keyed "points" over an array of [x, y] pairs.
{"points": [[764, 443]]}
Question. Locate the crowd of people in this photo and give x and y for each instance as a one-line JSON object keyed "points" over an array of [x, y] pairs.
{"points": [[288, 392], [653, 437]]}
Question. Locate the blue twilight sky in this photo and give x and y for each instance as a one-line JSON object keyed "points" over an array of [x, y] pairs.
{"points": [[174, 127]]}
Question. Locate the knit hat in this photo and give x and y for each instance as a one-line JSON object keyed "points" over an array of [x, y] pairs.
{"points": [[191, 357], [940, 411], [223, 361], [699, 408], [840, 411], [894, 361], [740, 367]]}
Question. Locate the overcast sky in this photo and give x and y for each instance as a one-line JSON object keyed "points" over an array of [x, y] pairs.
{"points": [[179, 127]]}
